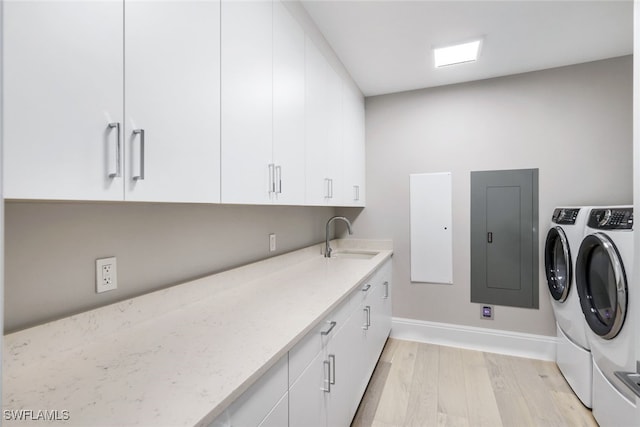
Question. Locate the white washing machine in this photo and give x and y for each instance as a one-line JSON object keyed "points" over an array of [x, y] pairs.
{"points": [[573, 355], [603, 270]]}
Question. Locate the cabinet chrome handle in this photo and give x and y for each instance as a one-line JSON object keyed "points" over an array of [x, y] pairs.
{"points": [[327, 193], [386, 290], [327, 376], [330, 188], [490, 237], [332, 372], [367, 311], [328, 331], [272, 178], [366, 287], [278, 180], [138, 163], [356, 190], [113, 166]]}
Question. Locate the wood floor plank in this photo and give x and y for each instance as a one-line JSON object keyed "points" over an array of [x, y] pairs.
{"points": [[452, 403], [367, 410], [394, 400], [552, 376], [390, 349], [570, 407], [513, 409], [424, 385], [481, 401], [422, 408], [448, 420], [540, 402], [573, 411]]}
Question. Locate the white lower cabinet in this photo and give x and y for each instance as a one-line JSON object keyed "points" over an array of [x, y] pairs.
{"points": [[346, 353], [322, 380], [279, 415], [308, 400], [328, 392], [265, 403]]}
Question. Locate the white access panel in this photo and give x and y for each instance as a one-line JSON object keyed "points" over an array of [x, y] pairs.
{"points": [[431, 246]]}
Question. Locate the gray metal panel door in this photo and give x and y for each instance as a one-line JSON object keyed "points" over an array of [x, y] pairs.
{"points": [[504, 237]]}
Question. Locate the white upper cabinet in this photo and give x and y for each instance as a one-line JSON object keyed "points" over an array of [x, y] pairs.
{"points": [[323, 134], [172, 101], [247, 102], [334, 143], [354, 147], [66, 136], [201, 101], [334, 137], [262, 104], [63, 84], [288, 107]]}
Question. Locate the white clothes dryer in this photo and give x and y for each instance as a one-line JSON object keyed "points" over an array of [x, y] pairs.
{"points": [[603, 269], [573, 355]]}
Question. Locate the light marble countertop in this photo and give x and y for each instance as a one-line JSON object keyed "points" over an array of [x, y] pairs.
{"points": [[178, 356]]}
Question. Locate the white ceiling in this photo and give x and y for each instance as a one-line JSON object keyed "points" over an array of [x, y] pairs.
{"points": [[386, 44]]}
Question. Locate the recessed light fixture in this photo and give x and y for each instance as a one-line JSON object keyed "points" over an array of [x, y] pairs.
{"points": [[456, 54]]}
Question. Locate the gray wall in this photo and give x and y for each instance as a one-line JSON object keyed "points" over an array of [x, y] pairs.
{"points": [[51, 249], [573, 123]]}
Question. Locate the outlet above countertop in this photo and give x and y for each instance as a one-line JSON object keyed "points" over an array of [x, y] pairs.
{"points": [[181, 355]]}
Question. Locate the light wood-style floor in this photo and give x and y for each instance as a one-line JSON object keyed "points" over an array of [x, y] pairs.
{"points": [[426, 385]]}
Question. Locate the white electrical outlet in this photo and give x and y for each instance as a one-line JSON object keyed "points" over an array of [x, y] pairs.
{"points": [[106, 274], [272, 242]]}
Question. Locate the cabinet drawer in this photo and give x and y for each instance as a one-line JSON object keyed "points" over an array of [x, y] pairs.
{"points": [[303, 353], [255, 404], [365, 290]]}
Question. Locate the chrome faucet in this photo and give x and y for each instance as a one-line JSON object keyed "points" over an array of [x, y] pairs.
{"points": [[327, 247]]}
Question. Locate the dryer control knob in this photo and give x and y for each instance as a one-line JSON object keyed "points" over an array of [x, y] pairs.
{"points": [[605, 218]]}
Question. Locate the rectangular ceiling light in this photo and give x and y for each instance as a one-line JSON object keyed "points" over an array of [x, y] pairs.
{"points": [[456, 54]]}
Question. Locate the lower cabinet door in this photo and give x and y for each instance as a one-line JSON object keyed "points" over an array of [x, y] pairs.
{"points": [[346, 354], [279, 415], [307, 396], [259, 401]]}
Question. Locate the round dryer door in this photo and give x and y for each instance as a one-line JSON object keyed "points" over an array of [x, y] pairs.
{"points": [[557, 264], [602, 285]]}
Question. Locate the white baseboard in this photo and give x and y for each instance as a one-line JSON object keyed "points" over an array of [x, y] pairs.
{"points": [[540, 347]]}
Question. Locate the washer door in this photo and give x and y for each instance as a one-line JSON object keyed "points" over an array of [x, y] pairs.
{"points": [[602, 285], [557, 264]]}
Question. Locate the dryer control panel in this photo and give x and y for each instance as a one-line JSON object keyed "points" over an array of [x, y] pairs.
{"points": [[611, 219], [565, 216]]}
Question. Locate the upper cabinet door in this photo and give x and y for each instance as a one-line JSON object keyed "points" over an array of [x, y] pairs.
{"points": [[288, 107], [172, 98], [334, 143], [247, 102], [62, 90], [324, 138], [316, 126], [354, 147]]}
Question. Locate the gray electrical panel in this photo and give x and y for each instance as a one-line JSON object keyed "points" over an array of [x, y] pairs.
{"points": [[504, 237]]}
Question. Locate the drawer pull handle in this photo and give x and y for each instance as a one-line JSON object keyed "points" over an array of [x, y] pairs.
{"points": [[332, 372], [327, 377], [386, 290], [367, 311], [328, 331], [366, 287]]}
